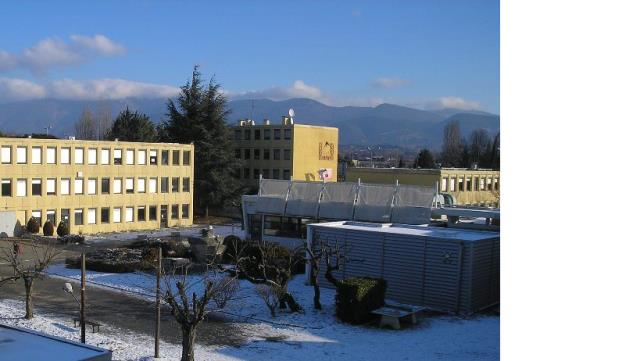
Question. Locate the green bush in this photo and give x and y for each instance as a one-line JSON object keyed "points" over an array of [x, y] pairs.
{"points": [[47, 229], [63, 230], [357, 297], [33, 226]]}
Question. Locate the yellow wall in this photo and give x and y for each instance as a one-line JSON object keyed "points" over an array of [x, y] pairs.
{"points": [[315, 148], [25, 205]]}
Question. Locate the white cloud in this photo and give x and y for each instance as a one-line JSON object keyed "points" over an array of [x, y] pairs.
{"points": [[452, 102], [54, 52], [20, 89], [299, 89], [388, 83]]}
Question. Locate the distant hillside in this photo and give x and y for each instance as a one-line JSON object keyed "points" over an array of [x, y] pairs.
{"points": [[383, 124]]}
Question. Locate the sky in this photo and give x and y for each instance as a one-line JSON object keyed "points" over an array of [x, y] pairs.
{"points": [[425, 54]]}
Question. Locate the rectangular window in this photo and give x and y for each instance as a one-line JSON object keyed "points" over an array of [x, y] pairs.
{"points": [[237, 134], [276, 134], [443, 184], [496, 185], [153, 157], [246, 173], [174, 211], [51, 186], [153, 213], [65, 186], [37, 215], [247, 153], [51, 216], [142, 157], [105, 185], [21, 188], [286, 174], [175, 184], [256, 154], [265, 154], [276, 174], [78, 156], [186, 184], [91, 216], [185, 211], [164, 185], [265, 173], [117, 156], [476, 183], [256, 134], [267, 134], [287, 154], [287, 134], [247, 134], [129, 159], [65, 216], [128, 185], [452, 184], [469, 185], [186, 157], [65, 156], [92, 185], [104, 215], [36, 187], [6, 188], [460, 184], [51, 155], [92, 156], [238, 153], [36, 155], [142, 216], [78, 217], [276, 154], [256, 173], [21, 155], [5, 155], [153, 185], [489, 184], [117, 215], [117, 185], [481, 184], [128, 214], [78, 184], [175, 157], [105, 156], [141, 185], [165, 157]]}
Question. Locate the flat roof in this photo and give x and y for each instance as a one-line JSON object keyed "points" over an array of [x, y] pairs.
{"points": [[434, 171], [93, 141], [410, 230]]}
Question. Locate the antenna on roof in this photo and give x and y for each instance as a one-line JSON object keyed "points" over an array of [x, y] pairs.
{"points": [[292, 113]]}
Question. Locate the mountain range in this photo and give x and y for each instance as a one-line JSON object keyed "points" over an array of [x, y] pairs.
{"points": [[382, 124]]}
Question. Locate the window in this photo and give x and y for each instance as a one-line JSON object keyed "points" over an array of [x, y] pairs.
{"points": [[186, 184], [287, 134], [265, 154], [128, 185], [129, 157], [267, 134], [117, 156], [21, 155], [104, 215], [92, 155], [165, 157], [141, 185], [78, 185], [276, 134], [276, 174], [475, 183], [496, 185], [51, 186], [92, 185], [51, 155], [128, 214], [481, 184], [164, 185], [489, 184], [238, 152], [247, 134], [452, 184], [65, 156], [21, 188], [142, 214], [443, 184], [256, 154], [469, 184], [276, 154], [246, 173], [153, 157], [91, 216], [37, 215], [36, 187], [286, 174], [256, 173], [51, 216], [117, 185], [175, 184], [65, 186], [5, 155], [105, 186], [185, 211], [78, 156], [153, 185], [265, 173], [237, 134], [247, 153], [175, 157], [186, 157], [153, 213], [256, 134], [78, 217], [65, 216], [174, 211], [287, 154], [36, 155], [142, 157], [105, 156], [6, 188], [117, 215], [460, 184]]}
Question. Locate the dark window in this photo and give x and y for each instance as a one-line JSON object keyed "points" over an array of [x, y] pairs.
{"points": [[176, 157], [104, 215], [153, 157], [461, 185], [247, 134], [286, 174], [142, 213], [153, 213], [287, 134], [51, 217], [185, 211], [256, 154], [36, 187], [265, 173], [276, 134], [105, 185], [238, 153], [265, 154], [255, 227], [476, 184], [175, 184], [246, 173], [164, 185], [77, 219], [186, 157], [285, 226], [247, 153], [117, 157], [256, 134], [256, 173], [276, 154], [64, 214], [165, 157], [276, 174], [237, 134], [287, 154], [468, 184], [267, 134], [174, 211], [186, 184]]}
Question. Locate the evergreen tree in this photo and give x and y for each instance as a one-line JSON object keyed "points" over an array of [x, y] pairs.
{"points": [[401, 163], [424, 160], [199, 116], [494, 158], [133, 127]]}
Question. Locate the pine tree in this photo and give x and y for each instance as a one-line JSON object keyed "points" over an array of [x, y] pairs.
{"points": [[132, 127], [424, 160]]}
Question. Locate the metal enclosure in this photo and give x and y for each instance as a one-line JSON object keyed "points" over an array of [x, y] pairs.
{"points": [[446, 270]]}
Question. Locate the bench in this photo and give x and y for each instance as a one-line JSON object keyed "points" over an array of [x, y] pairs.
{"points": [[93, 324], [392, 312]]}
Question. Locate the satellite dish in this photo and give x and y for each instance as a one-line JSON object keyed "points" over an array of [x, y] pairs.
{"points": [[292, 113]]}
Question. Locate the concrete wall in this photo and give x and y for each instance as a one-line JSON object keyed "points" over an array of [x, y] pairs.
{"points": [[315, 148]]}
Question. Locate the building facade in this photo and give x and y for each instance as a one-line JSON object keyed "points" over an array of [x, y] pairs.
{"points": [[97, 186], [468, 186], [286, 151]]}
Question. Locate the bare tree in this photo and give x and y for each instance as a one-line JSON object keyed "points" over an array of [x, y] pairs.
{"points": [[270, 294], [28, 269], [86, 125], [104, 120], [452, 145], [480, 146]]}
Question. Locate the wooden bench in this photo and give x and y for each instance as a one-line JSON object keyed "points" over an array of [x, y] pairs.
{"points": [[93, 324], [392, 312]]}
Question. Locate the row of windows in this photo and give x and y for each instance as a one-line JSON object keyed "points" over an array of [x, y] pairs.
{"points": [[82, 216], [267, 154], [49, 186], [262, 134], [462, 184], [50, 155], [267, 173]]}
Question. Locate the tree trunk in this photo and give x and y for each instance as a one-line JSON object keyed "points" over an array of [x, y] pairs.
{"points": [[188, 342], [28, 287], [291, 302], [316, 287]]}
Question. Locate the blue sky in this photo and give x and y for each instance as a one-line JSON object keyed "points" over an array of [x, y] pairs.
{"points": [[426, 54]]}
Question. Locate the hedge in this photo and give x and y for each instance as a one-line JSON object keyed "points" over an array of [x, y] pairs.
{"points": [[357, 297]]}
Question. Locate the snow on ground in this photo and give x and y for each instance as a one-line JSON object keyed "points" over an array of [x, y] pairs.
{"points": [[321, 335], [220, 230]]}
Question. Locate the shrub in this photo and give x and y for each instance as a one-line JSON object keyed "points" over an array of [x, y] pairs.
{"points": [[357, 297], [63, 230], [47, 229], [33, 226]]}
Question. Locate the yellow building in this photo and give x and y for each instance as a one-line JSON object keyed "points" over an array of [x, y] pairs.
{"points": [[286, 151], [97, 186], [468, 186]]}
